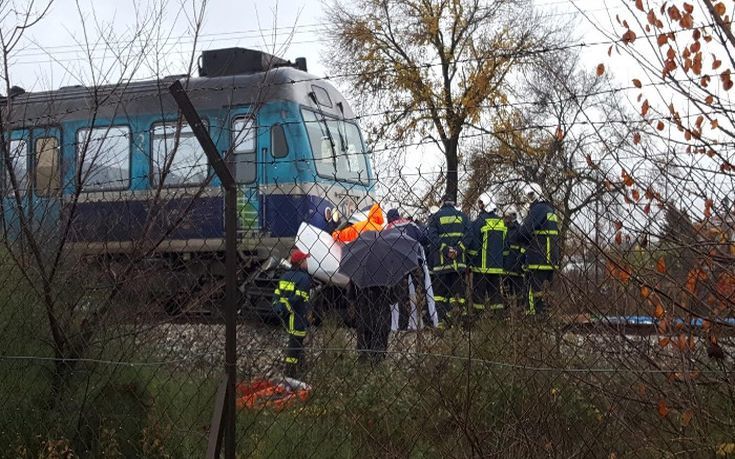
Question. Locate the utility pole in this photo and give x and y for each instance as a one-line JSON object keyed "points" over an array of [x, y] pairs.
{"points": [[230, 306]]}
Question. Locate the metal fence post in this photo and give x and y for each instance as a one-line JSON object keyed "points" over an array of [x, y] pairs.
{"points": [[230, 306]]}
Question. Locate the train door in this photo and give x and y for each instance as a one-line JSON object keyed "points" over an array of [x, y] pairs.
{"points": [[16, 181], [244, 145], [45, 178]]}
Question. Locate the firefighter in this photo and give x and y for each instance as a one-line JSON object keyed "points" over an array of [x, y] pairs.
{"points": [[291, 300], [513, 258], [447, 229], [540, 234], [485, 244]]}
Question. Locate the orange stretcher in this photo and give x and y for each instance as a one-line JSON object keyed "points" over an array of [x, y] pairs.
{"points": [[264, 394]]}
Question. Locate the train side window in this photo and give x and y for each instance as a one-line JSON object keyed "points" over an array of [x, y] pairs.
{"points": [[279, 146], [19, 160], [104, 157], [177, 156], [47, 177], [321, 96], [243, 141]]}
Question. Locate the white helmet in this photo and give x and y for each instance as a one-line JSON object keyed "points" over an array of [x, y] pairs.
{"points": [[487, 202], [532, 191], [511, 210]]}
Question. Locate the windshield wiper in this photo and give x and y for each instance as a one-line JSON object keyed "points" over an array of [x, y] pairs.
{"points": [[326, 126]]}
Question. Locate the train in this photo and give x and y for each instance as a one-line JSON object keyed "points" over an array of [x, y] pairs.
{"points": [[116, 174]]}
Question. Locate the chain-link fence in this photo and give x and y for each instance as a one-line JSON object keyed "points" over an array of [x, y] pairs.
{"points": [[411, 329]]}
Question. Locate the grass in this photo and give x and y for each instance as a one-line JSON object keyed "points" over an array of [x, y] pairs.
{"points": [[500, 390]]}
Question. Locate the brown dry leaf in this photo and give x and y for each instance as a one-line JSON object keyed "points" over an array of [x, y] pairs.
{"points": [[720, 9], [687, 21], [639, 5], [645, 292], [636, 195], [662, 39], [647, 209], [600, 69], [663, 409], [636, 138], [618, 225], [651, 17], [629, 37], [661, 265], [659, 312], [609, 50], [727, 85], [709, 99], [664, 342], [681, 342], [686, 417], [708, 204], [688, 8], [674, 13], [618, 238], [627, 179], [637, 83], [660, 126], [715, 124], [716, 64]]}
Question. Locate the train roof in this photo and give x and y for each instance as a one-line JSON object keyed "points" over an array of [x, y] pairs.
{"points": [[151, 97]]}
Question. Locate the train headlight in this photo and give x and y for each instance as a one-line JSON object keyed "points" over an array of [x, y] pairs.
{"points": [[332, 215]]}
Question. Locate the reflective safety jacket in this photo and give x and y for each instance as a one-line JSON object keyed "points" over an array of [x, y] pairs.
{"points": [[485, 243], [448, 228], [291, 300], [540, 233], [514, 253]]}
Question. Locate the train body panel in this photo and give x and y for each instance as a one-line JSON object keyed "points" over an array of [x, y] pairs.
{"points": [[100, 160]]}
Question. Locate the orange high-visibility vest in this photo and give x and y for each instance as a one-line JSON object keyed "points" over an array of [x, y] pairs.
{"points": [[375, 222]]}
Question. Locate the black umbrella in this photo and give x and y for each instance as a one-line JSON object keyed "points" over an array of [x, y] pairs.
{"points": [[380, 258]]}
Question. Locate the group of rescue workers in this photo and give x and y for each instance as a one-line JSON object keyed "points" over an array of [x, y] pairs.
{"points": [[501, 259]]}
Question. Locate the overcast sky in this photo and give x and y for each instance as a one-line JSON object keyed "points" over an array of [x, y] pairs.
{"points": [[53, 56]]}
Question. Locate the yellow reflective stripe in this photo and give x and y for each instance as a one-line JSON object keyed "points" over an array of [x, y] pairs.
{"points": [[448, 220], [303, 294], [548, 250], [489, 270], [451, 235], [277, 292], [479, 306], [287, 285], [291, 360], [472, 252], [457, 300], [301, 333], [531, 303], [542, 267], [516, 247], [551, 217], [546, 232], [286, 303], [523, 250], [440, 298], [497, 306]]}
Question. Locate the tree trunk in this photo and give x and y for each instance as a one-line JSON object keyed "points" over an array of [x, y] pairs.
{"points": [[450, 148]]}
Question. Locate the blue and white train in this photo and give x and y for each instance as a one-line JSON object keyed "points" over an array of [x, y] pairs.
{"points": [[115, 172]]}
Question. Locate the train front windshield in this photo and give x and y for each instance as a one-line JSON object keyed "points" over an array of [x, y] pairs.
{"points": [[339, 151]]}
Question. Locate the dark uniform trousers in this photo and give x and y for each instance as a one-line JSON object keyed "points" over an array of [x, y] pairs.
{"points": [[449, 295], [292, 300], [486, 291], [373, 321], [538, 282]]}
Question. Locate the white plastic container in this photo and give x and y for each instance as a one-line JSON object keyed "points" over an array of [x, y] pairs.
{"points": [[325, 254]]}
